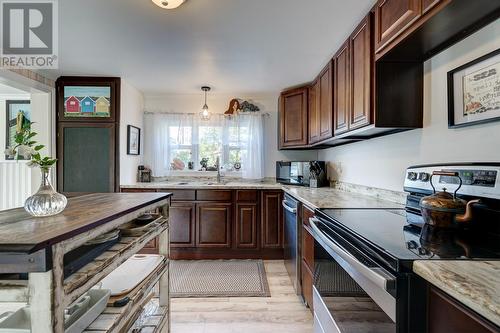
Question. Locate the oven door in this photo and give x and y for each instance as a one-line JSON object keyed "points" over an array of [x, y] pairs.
{"points": [[351, 292]]}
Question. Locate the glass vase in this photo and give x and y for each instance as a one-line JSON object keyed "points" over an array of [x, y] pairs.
{"points": [[46, 201]]}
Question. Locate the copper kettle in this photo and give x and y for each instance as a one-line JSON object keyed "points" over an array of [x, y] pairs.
{"points": [[444, 209]]}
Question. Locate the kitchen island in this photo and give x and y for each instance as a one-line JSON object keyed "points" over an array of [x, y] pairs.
{"points": [[35, 247]]}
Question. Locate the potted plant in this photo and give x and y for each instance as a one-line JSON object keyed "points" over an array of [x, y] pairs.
{"points": [[46, 201]]}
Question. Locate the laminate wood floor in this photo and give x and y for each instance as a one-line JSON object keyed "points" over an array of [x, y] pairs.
{"points": [[283, 312]]}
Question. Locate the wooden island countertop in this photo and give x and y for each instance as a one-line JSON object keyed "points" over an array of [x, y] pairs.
{"points": [[22, 233]]}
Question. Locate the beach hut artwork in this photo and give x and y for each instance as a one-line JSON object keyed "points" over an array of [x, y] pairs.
{"points": [[87, 101]]}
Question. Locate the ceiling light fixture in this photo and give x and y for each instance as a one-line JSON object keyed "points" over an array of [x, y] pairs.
{"points": [[168, 4], [205, 112]]}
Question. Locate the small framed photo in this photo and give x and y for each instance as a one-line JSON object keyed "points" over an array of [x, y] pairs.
{"points": [[474, 92], [133, 140], [18, 115]]}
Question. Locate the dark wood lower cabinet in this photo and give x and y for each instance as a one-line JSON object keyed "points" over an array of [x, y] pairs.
{"points": [[446, 315], [223, 224], [213, 225], [307, 285], [246, 226], [182, 224], [272, 219]]}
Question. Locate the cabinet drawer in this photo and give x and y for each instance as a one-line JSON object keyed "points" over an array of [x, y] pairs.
{"points": [[137, 190], [181, 195], [246, 195], [213, 195], [307, 247]]}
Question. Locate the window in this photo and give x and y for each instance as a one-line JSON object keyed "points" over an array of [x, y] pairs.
{"points": [[172, 141]]}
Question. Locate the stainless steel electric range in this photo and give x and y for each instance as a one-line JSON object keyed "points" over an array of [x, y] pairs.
{"points": [[363, 279]]}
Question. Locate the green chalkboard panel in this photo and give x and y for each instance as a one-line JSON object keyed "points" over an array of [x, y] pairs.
{"points": [[88, 158]]}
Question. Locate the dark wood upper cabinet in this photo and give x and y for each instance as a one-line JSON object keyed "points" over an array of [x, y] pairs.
{"points": [[271, 219], [325, 103], [213, 225], [246, 226], [393, 17], [341, 90], [361, 54], [293, 118], [428, 5], [182, 224], [314, 112]]}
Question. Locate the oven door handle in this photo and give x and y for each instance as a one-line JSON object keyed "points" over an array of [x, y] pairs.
{"points": [[379, 276], [288, 208]]}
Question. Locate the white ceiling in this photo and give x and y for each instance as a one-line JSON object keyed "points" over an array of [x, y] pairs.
{"points": [[246, 46]]}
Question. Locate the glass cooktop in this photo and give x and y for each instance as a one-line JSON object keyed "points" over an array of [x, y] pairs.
{"points": [[398, 237]]}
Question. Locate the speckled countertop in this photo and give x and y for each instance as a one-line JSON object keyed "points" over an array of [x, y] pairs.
{"points": [[473, 283], [324, 197]]}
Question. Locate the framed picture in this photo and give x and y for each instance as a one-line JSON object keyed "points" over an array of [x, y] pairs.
{"points": [[88, 98], [18, 113], [133, 140], [474, 92]]}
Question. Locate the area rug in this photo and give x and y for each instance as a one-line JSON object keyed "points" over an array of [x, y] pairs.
{"points": [[218, 278]]}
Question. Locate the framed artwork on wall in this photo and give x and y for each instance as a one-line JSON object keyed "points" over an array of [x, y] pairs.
{"points": [[88, 98], [18, 114], [474, 92], [133, 140]]}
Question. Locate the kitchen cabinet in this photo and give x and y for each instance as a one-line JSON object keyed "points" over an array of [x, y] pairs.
{"points": [[246, 226], [293, 118], [314, 112], [213, 225], [445, 315], [307, 254], [271, 219], [392, 17], [182, 224], [361, 56], [429, 4], [223, 224], [320, 106], [342, 90]]}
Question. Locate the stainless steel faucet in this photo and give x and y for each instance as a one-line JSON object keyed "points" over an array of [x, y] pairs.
{"points": [[217, 163]]}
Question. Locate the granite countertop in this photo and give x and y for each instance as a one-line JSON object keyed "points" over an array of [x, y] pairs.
{"points": [[324, 197], [473, 283]]}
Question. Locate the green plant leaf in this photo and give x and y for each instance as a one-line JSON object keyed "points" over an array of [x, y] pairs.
{"points": [[39, 147]]}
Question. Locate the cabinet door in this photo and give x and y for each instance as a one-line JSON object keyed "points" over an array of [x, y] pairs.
{"points": [[325, 103], [314, 112], [361, 74], [341, 88], [271, 219], [293, 118], [447, 315], [428, 5], [246, 226], [307, 285], [213, 225], [392, 17], [182, 224]]}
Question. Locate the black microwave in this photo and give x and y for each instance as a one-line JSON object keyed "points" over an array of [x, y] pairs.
{"points": [[310, 173]]}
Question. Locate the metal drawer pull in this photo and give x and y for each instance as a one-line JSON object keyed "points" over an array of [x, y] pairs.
{"points": [[377, 275], [288, 208]]}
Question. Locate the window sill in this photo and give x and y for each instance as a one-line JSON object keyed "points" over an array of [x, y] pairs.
{"points": [[201, 174]]}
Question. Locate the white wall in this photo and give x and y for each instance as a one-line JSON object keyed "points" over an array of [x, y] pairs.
{"points": [[218, 103], [132, 108], [381, 162]]}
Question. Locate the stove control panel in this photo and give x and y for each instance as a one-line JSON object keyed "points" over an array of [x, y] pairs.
{"points": [[477, 180]]}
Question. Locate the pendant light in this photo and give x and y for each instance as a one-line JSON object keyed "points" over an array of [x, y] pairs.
{"points": [[205, 112], [168, 4]]}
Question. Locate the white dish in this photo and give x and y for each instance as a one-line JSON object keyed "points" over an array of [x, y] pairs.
{"points": [[131, 273], [97, 301]]}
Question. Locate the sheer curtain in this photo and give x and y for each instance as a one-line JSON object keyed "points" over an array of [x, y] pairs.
{"points": [[189, 138]]}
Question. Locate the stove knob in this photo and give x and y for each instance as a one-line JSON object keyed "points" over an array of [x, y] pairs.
{"points": [[424, 176], [412, 176]]}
